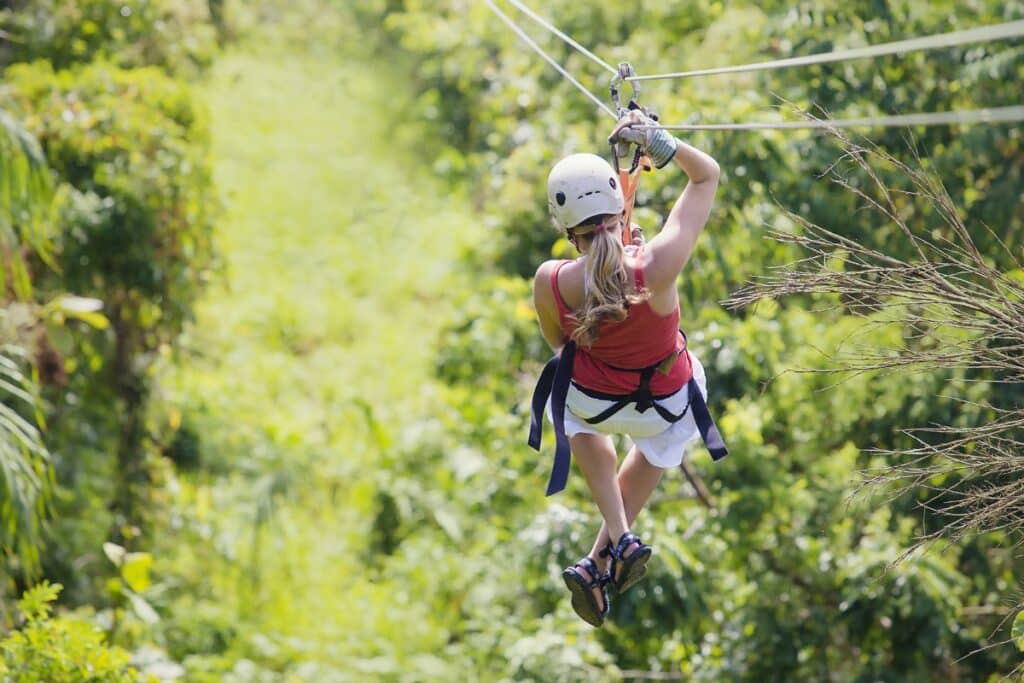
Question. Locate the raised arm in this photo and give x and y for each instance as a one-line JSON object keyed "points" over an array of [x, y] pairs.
{"points": [[668, 252], [670, 249]]}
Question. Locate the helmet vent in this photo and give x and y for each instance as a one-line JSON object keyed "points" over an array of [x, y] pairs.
{"points": [[560, 198], [611, 181]]}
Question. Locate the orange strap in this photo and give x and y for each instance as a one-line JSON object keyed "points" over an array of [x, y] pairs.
{"points": [[629, 182]]}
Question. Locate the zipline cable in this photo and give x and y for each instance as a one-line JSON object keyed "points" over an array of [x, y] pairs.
{"points": [[986, 33], [1011, 29], [529, 41], [993, 115], [546, 24]]}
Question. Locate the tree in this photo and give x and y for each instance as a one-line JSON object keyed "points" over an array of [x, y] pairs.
{"points": [[25, 197], [135, 215]]}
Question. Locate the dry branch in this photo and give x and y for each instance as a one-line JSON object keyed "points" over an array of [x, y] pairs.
{"points": [[959, 314]]}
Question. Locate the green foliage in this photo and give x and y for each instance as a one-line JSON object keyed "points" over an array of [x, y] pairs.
{"points": [[783, 578], [25, 475], [346, 493], [503, 109], [59, 649], [1018, 631], [494, 334], [105, 193], [129, 149], [176, 35], [25, 201], [135, 209]]}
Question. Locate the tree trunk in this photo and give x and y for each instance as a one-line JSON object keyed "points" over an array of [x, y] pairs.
{"points": [[131, 393]]}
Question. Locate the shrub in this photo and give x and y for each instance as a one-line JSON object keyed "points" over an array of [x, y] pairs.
{"points": [[136, 200], [135, 210], [59, 650], [174, 34]]}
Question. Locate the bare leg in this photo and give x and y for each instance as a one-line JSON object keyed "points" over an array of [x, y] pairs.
{"points": [[637, 480], [596, 457]]}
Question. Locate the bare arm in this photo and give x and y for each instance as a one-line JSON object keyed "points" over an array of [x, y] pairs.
{"points": [[547, 309], [670, 249]]}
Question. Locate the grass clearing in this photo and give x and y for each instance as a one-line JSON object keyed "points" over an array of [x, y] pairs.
{"points": [[340, 251]]}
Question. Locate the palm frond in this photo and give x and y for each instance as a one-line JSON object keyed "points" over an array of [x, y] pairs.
{"points": [[26, 194], [24, 464], [26, 198]]}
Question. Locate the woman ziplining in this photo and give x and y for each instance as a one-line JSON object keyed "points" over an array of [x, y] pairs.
{"points": [[622, 365]]}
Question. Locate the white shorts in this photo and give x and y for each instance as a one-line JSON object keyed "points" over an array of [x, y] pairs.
{"points": [[663, 443]]}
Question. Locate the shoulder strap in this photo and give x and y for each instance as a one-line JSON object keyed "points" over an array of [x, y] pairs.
{"points": [[563, 309]]}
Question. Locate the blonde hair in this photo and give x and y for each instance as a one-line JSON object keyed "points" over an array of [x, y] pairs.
{"points": [[605, 283]]}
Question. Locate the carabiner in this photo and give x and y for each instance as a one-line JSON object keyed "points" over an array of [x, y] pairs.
{"points": [[625, 72]]}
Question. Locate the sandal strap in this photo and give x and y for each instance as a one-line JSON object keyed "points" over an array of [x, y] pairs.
{"points": [[627, 539], [607, 551], [591, 567]]}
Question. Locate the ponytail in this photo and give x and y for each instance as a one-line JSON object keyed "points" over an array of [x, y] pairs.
{"points": [[605, 280]]}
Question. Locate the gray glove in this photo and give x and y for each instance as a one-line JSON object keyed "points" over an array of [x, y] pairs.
{"points": [[658, 144]]}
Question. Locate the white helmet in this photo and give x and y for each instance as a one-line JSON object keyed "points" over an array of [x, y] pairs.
{"points": [[581, 186]]}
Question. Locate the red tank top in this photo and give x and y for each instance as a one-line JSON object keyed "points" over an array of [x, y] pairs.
{"points": [[643, 339]]}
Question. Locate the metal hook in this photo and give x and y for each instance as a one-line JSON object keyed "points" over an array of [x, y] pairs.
{"points": [[624, 73]]}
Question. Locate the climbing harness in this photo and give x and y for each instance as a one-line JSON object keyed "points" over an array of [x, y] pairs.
{"points": [[556, 377], [554, 383]]}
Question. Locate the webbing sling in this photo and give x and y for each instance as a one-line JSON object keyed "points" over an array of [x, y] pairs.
{"points": [[554, 382], [705, 424], [641, 396]]}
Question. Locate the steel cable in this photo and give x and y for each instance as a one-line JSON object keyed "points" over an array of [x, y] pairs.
{"points": [[546, 24], [1007, 114], [992, 115], [529, 41], [1011, 29]]}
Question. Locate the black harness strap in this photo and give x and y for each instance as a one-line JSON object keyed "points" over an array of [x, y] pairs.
{"points": [[705, 424], [643, 398], [554, 382]]}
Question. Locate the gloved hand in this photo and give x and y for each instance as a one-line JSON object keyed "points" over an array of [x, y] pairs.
{"points": [[659, 145]]}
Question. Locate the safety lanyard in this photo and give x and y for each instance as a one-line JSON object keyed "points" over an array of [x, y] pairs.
{"points": [[629, 179]]}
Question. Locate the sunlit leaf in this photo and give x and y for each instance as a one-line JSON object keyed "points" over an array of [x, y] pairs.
{"points": [[143, 609], [1017, 633], [79, 304], [135, 570], [114, 553]]}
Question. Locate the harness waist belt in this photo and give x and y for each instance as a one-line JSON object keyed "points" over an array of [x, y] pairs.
{"points": [[554, 382]]}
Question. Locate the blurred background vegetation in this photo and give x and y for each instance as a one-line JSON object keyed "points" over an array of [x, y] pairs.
{"points": [[268, 345]]}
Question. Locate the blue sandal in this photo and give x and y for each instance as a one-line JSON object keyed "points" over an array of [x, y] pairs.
{"points": [[626, 571], [582, 589]]}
